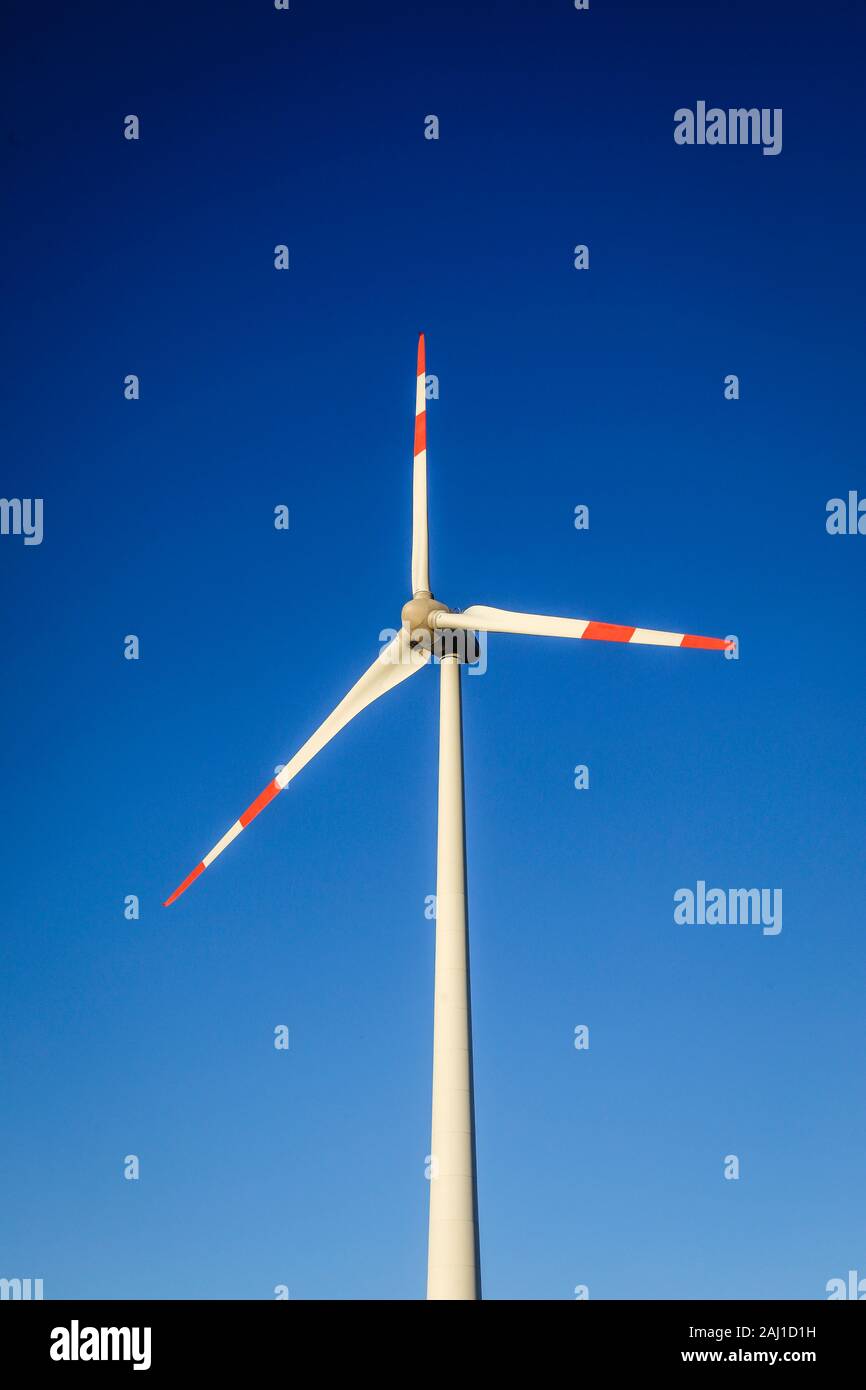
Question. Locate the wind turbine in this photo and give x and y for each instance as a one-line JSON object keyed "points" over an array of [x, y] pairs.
{"points": [[429, 628]]}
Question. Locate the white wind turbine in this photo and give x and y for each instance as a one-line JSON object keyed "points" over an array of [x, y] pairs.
{"points": [[430, 628]]}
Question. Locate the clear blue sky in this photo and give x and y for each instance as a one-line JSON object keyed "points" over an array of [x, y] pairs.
{"points": [[558, 387]]}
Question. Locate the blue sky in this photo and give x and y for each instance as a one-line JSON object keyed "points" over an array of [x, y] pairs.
{"points": [[557, 387]]}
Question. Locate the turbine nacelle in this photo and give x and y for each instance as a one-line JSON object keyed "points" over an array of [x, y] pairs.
{"points": [[427, 622]]}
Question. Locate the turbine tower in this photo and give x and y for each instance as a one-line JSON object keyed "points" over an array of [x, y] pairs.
{"points": [[430, 629]]}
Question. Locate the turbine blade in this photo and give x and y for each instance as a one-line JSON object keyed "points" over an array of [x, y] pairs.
{"points": [[481, 619], [420, 557], [394, 664]]}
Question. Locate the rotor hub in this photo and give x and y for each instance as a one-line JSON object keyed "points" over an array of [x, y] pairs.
{"points": [[418, 611], [419, 619]]}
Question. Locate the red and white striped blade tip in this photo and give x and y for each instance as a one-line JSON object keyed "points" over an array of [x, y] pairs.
{"points": [[262, 800], [616, 632]]}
